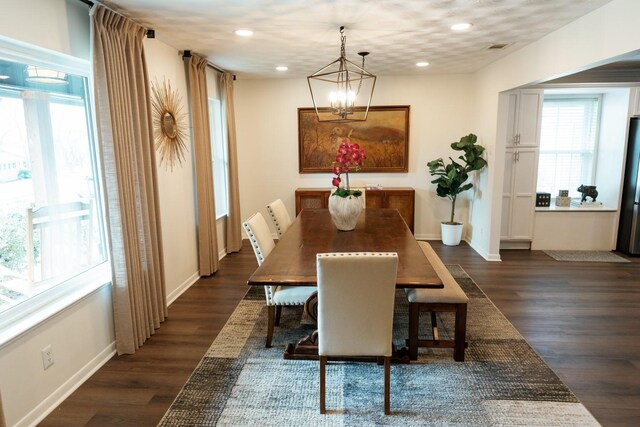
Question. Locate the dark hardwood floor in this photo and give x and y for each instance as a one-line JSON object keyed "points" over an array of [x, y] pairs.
{"points": [[582, 318]]}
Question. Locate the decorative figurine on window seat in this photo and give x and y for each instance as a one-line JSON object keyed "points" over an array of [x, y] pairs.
{"points": [[588, 190]]}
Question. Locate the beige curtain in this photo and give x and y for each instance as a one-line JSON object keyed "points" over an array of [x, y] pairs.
{"points": [[129, 173], [234, 233], [2, 421], [199, 107]]}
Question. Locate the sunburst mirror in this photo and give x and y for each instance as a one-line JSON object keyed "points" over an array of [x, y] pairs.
{"points": [[169, 126]]}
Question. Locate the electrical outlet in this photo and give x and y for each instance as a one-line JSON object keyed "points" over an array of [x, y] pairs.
{"points": [[47, 357]]}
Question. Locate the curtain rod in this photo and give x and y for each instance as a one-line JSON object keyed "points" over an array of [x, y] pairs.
{"points": [[187, 54], [151, 33]]}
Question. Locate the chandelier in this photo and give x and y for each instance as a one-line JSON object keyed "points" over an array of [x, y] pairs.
{"points": [[341, 91]]}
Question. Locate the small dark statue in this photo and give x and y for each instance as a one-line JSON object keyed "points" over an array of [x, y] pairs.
{"points": [[588, 190]]}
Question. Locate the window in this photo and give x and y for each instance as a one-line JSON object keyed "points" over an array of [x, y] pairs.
{"points": [[51, 223], [220, 164], [568, 143]]}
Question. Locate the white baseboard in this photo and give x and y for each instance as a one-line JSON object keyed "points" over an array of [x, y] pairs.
{"points": [[190, 281], [182, 288], [47, 406], [427, 236], [483, 253], [506, 244]]}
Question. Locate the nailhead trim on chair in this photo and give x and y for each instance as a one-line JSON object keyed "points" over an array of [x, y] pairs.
{"points": [[275, 221], [336, 254], [254, 243]]}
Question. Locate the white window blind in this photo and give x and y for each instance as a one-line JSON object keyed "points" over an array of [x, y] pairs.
{"points": [[568, 143]]}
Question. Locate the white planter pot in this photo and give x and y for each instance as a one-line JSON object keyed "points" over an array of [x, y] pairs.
{"points": [[451, 234], [345, 211]]}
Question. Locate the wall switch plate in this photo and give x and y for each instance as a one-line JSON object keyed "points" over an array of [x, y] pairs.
{"points": [[47, 357]]}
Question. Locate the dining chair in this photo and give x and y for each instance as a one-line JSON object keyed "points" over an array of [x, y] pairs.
{"points": [[277, 296], [279, 216], [356, 293]]}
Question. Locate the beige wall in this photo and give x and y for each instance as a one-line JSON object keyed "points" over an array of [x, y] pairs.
{"points": [[60, 25], [266, 118], [176, 186]]}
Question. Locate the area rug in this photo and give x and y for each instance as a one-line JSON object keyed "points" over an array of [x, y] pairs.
{"points": [[585, 256], [503, 381]]}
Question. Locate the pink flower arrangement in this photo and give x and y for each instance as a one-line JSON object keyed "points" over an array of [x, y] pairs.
{"points": [[349, 158]]}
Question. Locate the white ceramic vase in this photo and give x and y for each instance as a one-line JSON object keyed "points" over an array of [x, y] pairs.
{"points": [[451, 234], [345, 211]]}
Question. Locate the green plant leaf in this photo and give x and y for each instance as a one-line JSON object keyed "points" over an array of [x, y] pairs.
{"points": [[451, 177]]}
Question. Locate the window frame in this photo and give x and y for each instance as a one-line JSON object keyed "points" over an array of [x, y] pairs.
{"points": [[594, 153], [21, 318], [223, 140]]}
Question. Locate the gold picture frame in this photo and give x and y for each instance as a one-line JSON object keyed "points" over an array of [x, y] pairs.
{"points": [[384, 136], [169, 127]]}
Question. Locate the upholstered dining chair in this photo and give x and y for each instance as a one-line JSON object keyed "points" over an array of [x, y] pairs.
{"points": [[356, 294], [277, 296], [279, 216]]}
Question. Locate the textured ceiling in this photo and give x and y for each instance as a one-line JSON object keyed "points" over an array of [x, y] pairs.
{"points": [[304, 34]]}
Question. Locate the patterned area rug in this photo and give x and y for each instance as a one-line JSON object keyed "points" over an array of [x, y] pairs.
{"points": [[503, 382], [585, 256]]}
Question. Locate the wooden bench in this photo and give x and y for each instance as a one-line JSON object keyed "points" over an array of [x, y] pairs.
{"points": [[451, 298]]}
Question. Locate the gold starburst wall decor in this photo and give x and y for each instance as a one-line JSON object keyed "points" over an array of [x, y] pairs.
{"points": [[169, 124]]}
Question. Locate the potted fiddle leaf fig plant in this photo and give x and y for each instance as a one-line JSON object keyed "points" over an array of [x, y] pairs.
{"points": [[451, 180]]}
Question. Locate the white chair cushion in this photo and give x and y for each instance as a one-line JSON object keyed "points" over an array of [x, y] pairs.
{"points": [[292, 295], [356, 293], [451, 293]]}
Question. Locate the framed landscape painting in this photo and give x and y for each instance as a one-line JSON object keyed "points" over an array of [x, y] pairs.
{"points": [[384, 136]]}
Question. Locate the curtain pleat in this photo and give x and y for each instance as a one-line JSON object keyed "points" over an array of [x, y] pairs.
{"points": [[234, 232], [2, 421], [129, 174], [199, 109]]}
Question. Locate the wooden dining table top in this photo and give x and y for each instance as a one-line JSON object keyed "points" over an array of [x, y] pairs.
{"points": [[293, 260]]}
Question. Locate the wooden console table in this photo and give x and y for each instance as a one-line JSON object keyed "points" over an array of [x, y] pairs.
{"points": [[400, 198]]}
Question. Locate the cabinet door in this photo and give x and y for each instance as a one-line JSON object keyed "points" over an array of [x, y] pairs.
{"points": [[374, 199], [403, 202], [507, 190], [512, 119], [401, 199], [311, 200], [523, 194], [529, 118]]}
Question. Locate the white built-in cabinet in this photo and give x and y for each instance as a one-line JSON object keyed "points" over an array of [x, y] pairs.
{"points": [[521, 164]]}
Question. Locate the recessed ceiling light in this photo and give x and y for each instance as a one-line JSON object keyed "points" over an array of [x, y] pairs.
{"points": [[282, 68], [244, 33], [462, 26], [422, 64]]}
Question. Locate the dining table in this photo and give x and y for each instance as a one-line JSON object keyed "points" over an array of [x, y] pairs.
{"points": [[293, 260]]}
